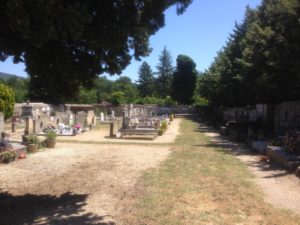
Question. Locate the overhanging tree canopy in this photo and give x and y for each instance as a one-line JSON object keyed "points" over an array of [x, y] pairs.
{"points": [[66, 43]]}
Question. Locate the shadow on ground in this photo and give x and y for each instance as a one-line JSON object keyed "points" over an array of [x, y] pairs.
{"points": [[46, 209], [223, 144]]}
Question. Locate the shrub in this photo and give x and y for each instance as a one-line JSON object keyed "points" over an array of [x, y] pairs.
{"points": [[51, 135], [171, 116], [33, 139], [160, 131], [7, 156], [164, 125], [7, 101]]}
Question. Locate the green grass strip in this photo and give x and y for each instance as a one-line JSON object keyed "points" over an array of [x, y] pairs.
{"points": [[203, 184]]}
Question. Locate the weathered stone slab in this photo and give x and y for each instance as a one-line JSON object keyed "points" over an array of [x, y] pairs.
{"points": [[280, 157]]}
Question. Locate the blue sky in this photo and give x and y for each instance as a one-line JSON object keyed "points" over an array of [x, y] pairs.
{"points": [[199, 33]]}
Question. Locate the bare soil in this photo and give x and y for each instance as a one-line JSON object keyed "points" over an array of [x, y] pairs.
{"points": [[281, 188], [95, 179], [78, 183]]}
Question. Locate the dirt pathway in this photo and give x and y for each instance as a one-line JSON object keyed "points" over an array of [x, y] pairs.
{"points": [[86, 180], [74, 183], [281, 189]]}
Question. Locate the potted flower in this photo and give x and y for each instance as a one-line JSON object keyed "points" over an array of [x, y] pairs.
{"points": [[33, 143], [50, 139], [8, 156]]}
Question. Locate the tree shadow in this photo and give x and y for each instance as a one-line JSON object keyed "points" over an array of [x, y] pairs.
{"points": [[66, 209], [227, 146]]}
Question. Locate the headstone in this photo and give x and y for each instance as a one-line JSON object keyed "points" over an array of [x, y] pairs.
{"points": [[27, 111], [80, 118], [112, 114], [1, 122], [102, 117], [13, 127], [71, 120], [111, 129]]}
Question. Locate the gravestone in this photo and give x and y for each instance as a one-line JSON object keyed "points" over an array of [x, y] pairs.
{"points": [[71, 120], [90, 118], [80, 118], [102, 117], [112, 114], [1, 122]]}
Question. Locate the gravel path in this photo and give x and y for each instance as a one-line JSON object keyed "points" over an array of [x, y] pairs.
{"points": [[95, 179], [281, 189], [78, 183]]}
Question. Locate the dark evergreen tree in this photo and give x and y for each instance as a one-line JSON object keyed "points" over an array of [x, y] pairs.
{"points": [[164, 74], [184, 80], [146, 81]]}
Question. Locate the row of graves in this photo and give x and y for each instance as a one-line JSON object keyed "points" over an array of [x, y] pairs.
{"points": [[63, 123], [44, 123], [137, 121], [273, 131], [9, 151]]}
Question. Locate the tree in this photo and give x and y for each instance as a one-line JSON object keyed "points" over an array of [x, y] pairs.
{"points": [[65, 44], [125, 86], [146, 84], [260, 62], [87, 96], [19, 87], [103, 88], [165, 73], [6, 101], [184, 80]]}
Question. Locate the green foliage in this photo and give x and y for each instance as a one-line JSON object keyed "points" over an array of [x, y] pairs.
{"points": [[6, 101], [171, 116], [169, 101], [164, 125], [160, 131], [184, 80], [146, 81], [129, 90], [103, 88], [165, 74], [151, 100], [33, 139], [87, 96], [51, 135], [66, 44], [200, 101], [118, 98], [260, 62], [19, 87], [7, 155]]}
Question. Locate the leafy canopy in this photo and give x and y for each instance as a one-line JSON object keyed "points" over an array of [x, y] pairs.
{"points": [[7, 101], [66, 43]]}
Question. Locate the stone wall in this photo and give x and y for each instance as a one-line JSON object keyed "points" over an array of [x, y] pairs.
{"points": [[287, 116]]}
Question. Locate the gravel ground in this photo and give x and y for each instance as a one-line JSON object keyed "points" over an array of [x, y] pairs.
{"points": [[281, 188], [95, 179], [78, 183]]}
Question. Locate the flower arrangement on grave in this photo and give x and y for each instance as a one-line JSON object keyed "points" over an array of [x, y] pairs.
{"points": [[32, 139], [292, 142], [33, 143], [8, 156], [50, 139]]}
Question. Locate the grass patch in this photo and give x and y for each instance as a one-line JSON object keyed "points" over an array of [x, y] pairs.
{"points": [[201, 184]]}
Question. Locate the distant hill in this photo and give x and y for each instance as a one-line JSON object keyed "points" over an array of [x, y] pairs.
{"points": [[6, 76]]}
